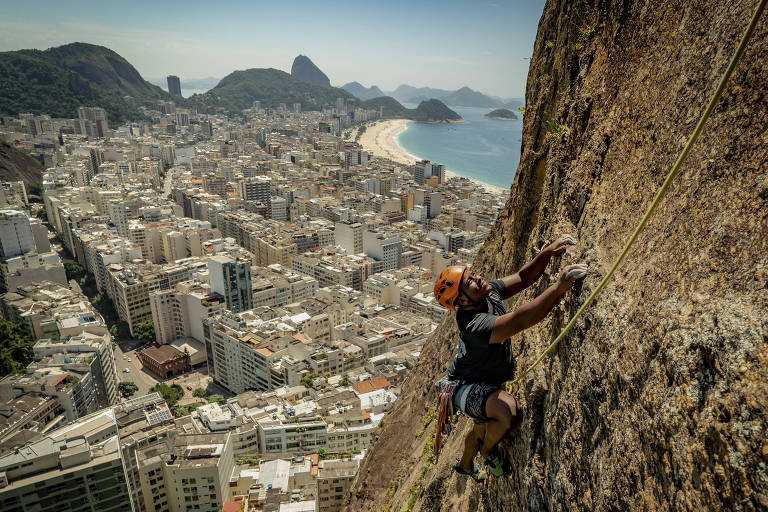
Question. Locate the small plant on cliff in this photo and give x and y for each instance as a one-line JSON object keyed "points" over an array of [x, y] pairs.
{"points": [[549, 44], [585, 34], [556, 131]]}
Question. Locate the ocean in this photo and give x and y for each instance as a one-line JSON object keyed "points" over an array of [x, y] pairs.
{"points": [[484, 149]]}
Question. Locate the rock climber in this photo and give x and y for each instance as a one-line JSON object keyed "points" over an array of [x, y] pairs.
{"points": [[484, 361]]}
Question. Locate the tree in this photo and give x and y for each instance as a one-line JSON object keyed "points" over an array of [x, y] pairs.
{"points": [[36, 189], [344, 381], [219, 399], [171, 394], [145, 331], [199, 393], [15, 348], [73, 269], [120, 330], [42, 214], [127, 388]]}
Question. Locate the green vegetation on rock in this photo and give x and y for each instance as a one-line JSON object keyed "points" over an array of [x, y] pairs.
{"points": [[59, 80], [501, 113], [238, 91], [430, 111]]}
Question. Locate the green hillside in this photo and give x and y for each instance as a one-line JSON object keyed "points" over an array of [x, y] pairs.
{"points": [[392, 107], [58, 80], [240, 89], [432, 111], [428, 111]]}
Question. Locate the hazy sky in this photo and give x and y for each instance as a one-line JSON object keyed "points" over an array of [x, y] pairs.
{"points": [[445, 44]]}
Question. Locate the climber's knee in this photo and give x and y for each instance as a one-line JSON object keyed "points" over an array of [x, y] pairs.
{"points": [[498, 409]]}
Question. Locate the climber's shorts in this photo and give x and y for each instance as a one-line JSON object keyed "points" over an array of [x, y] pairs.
{"points": [[471, 398]]}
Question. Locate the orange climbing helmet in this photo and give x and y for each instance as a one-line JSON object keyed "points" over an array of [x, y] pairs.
{"points": [[447, 286]]}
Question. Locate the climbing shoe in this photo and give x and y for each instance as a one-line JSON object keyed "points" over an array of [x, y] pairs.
{"points": [[496, 464], [477, 474]]}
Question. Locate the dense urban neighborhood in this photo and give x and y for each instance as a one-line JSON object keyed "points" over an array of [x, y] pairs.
{"points": [[209, 311]]}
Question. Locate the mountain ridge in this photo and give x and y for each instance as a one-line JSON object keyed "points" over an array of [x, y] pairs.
{"points": [[239, 89], [304, 69], [58, 80]]}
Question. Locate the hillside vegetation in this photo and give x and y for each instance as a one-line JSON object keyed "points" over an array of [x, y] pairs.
{"points": [[431, 111], [239, 89], [59, 80]]}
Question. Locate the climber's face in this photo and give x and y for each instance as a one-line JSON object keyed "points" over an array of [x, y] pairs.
{"points": [[473, 288]]}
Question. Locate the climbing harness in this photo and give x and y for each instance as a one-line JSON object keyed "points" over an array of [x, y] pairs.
{"points": [[659, 194]]}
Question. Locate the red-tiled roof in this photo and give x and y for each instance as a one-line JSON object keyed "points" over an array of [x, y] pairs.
{"points": [[373, 384]]}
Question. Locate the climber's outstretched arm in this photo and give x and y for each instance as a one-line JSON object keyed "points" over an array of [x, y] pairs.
{"points": [[532, 270], [534, 311]]}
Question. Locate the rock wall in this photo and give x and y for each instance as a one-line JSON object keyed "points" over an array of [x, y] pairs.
{"points": [[658, 399]]}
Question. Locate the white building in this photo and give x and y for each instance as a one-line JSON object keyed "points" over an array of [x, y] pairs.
{"points": [[15, 234]]}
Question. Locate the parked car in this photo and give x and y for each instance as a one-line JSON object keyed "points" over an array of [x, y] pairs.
{"points": [[127, 370], [129, 359], [189, 388]]}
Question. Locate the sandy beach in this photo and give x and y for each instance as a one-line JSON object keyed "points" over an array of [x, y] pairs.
{"points": [[381, 139]]}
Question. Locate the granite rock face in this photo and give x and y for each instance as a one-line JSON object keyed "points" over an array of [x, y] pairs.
{"points": [[658, 398], [304, 69]]}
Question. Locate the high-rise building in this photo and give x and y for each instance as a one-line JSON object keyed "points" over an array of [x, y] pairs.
{"points": [[69, 473], [278, 208], [187, 472], [231, 278], [432, 201], [349, 235], [334, 478], [256, 188], [118, 214], [383, 247], [174, 85], [15, 234]]}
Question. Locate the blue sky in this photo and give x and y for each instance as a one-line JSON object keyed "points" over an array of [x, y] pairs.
{"points": [[446, 44]]}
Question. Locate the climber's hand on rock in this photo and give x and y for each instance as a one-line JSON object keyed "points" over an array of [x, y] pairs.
{"points": [[559, 245], [571, 273]]}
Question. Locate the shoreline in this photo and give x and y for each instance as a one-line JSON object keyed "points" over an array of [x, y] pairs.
{"points": [[381, 139]]}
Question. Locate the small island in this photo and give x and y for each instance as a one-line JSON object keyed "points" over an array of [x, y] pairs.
{"points": [[501, 114]]}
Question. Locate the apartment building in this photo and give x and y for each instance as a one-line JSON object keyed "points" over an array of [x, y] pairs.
{"points": [[129, 286], [179, 311], [188, 472], [334, 478], [231, 279], [64, 474]]}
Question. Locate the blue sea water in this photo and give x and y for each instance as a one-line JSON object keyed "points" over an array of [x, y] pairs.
{"points": [[485, 149]]}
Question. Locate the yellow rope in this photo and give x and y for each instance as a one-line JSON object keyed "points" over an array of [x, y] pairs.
{"points": [[659, 195]]}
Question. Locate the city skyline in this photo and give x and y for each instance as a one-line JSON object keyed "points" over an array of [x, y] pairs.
{"points": [[443, 45]]}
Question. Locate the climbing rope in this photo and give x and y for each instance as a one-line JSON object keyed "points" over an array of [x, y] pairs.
{"points": [[659, 195]]}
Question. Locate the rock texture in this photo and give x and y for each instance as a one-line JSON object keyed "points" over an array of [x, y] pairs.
{"points": [[304, 69], [16, 165], [657, 399]]}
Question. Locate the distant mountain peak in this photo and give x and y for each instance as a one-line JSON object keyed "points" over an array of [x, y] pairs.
{"points": [[304, 69]]}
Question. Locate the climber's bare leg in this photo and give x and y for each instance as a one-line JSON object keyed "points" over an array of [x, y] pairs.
{"points": [[502, 409], [472, 443]]}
